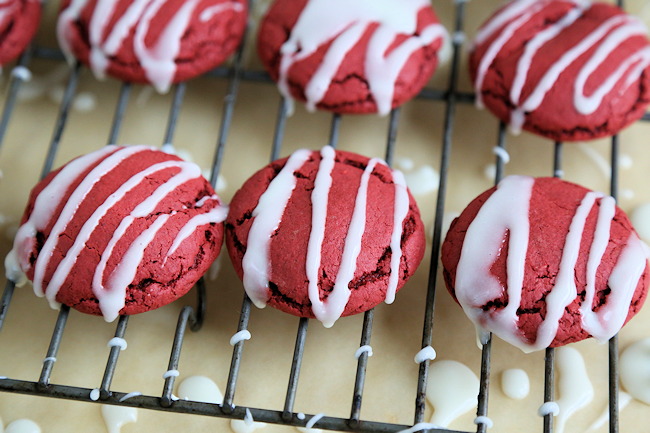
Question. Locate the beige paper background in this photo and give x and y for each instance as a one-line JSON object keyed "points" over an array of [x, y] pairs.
{"points": [[329, 366]]}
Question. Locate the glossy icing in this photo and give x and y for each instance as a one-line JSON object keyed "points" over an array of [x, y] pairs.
{"points": [[157, 59], [483, 242], [452, 390], [318, 25], [600, 43], [515, 383], [117, 416], [268, 215], [574, 387]]}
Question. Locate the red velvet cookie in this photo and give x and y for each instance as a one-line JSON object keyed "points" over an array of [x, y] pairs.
{"points": [[564, 69], [19, 21], [122, 230], [350, 57], [156, 42], [544, 262], [324, 235]]}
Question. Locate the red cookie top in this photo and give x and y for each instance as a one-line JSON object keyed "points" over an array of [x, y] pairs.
{"points": [[564, 69], [19, 21], [544, 262], [324, 234], [157, 42], [350, 57], [121, 230]]}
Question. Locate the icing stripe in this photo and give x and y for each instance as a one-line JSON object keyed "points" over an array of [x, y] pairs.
{"points": [[268, 214], [399, 215], [216, 215]]}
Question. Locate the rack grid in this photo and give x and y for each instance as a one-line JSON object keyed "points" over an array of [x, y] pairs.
{"points": [[194, 316]]}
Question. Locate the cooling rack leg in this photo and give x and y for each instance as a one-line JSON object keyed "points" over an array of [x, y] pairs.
{"points": [[7, 295], [549, 385], [14, 87], [391, 137], [120, 108], [484, 384], [296, 363], [362, 364], [280, 126], [109, 372], [172, 367], [229, 395]]}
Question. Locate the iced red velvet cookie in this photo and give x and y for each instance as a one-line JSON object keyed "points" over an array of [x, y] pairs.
{"points": [[564, 69], [324, 234], [544, 262], [18, 24], [355, 56], [158, 42], [121, 230]]}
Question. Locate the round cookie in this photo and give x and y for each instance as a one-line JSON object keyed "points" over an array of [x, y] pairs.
{"points": [[159, 43], [19, 21], [544, 262], [324, 235], [350, 57], [121, 230], [568, 70]]}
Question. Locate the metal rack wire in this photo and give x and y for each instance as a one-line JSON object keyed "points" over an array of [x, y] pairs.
{"points": [[193, 316]]}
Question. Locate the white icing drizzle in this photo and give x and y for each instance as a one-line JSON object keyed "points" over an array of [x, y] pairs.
{"points": [[13, 272], [21, 73], [268, 214], [116, 416], [216, 215], [452, 390], [314, 419], [606, 38], [426, 354], [200, 388], [502, 153], [94, 394], [171, 373], [640, 218], [515, 383], [117, 341], [317, 25], [484, 420], [507, 210], [49, 359], [130, 395], [157, 59], [300, 415], [574, 386], [635, 375], [623, 400], [366, 348], [548, 408], [240, 336]]}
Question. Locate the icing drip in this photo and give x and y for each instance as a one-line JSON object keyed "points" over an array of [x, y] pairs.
{"points": [[487, 232], [268, 214], [515, 383], [363, 349], [158, 59], [635, 375], [200, 388], [574, 386], [240, 336], [344, 23], [452, 390], [130, 395], [313, 420], [606, 39], [116, 416], [109, 291], [23, 425]]}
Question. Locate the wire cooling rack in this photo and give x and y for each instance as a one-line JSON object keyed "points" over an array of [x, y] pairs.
{"points": [[193, 316]]}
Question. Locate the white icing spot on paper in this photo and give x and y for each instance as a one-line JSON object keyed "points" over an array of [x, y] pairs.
{"points": [[635, 374], [452, 390], [422, 181], [574, 386], [404, 163], [94, 394], [419, 427], [200, 388], [119, 342], [240, 336], [363, 349], [490, 171], [515, 383], [427, 353], [23, 426], [117, 416], [625, 161], [85, 102], [309, 430], [640, 218], [548, 408], [247, 425], [623, 400]]}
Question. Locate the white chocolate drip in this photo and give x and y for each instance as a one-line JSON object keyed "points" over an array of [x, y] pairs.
{"points": [[452, 390], [574, 386], [200, 388], [506, 210], [268, 215], [130, 395], [116, 416], [515, 383], [109, 292], [158, 60], [240, 336], [607, 38], [344, 23]]}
